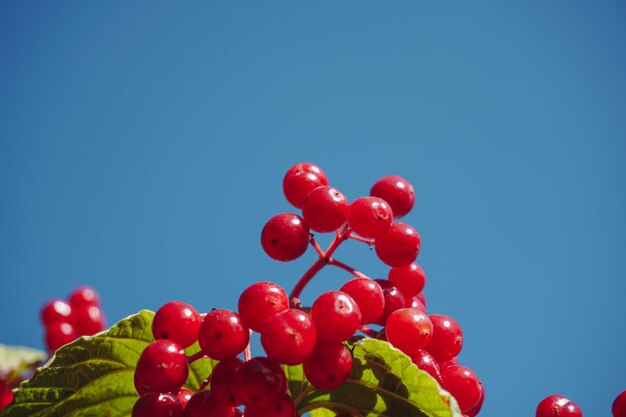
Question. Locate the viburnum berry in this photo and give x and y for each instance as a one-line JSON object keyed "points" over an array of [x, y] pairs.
{"points": [[397, 192], [394, 300], [341, 310], [472, 412], [285, 237], [223, 382], [259, 381], [409, 279], [414, 302], [59, 333], [328, 366], [55, 310], [184, 396], [619, 405], [88, 319], [370, 217], [84, 296], [369, 297], [463, 384], [447, 339], [557, 405], [409, 329], [154, 404], [450, 362], [204, 404], [426, 362], [162, 367], [289, 337], [177, 321], [300, 180], [280, 407], [422, 298], [222, 334], [399, 246], [6, 396], [325, 209], [259, 302]]}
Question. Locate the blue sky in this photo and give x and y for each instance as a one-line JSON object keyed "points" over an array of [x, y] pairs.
{"points": [[142, 148]]}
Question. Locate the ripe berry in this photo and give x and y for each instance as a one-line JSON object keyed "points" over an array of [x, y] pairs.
{"points": [[369, 297], [204, 404], [281, 407], [184, 396], [84, 296], [154, 404], [409, 279], [177, 321], [289, 337], [328, 366], [399, 246], [394, 300], [300, 180], [472, 412], [397, 192], [341, 310], [259, 381], [463, 384], [426, 362], [414, 302], [557, 405], [285, 237], [223, 382], [6, 396], [259, 302], [409, 330], [370, 216], [619, 405], [88, 319], [450, 362], [162, 367], [59, 333], [55, 310], [325, 209], [222, 335], [447, 339]]}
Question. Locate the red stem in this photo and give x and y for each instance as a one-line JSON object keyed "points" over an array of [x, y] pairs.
{"points": [[347, 268], [361, 239], [195, 357], [316, 246], [247, 353]]}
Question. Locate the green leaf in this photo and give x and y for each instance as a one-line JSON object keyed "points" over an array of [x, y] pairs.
{"points": [[384, 383], [93, 376], [16, 360]]}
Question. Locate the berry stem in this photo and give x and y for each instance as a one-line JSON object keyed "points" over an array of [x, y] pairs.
{"points": [[195, 357], [347, 268], [316, 246], [368, 331], [358, 238], [247, 353]]}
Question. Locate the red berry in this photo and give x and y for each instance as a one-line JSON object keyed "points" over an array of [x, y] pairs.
{"points": [[463, 384], [280, 407], [368, 295], [370, 216], [6, 396], [285, 237], [88, 319], [619, 405], [399, 246], [259, 302], [162, 367], [55, 310], [422, 298], [289, 337], [394, 300], [154, 404], [414, 302], [325, 209], [472, 412], [223, 382], [184, 396], [409, 329], [557, 405], [409, 279], [328, 366], [336, 316], [204, 404], [177, 321], [84, 296], [59, 333], [426, 362], [397, 192], [450, 362], [222, 335], [300, 180], [259, 381], [447, 339]]}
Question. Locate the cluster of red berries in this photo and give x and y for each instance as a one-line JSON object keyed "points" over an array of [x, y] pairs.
{"points": [[6, 395], [80, 315]]}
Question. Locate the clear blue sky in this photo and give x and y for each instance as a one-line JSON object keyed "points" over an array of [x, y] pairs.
{"points": [[143, 144]]}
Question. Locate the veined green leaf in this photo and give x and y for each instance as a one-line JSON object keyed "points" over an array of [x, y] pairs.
{"points": [[16, 360]]}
